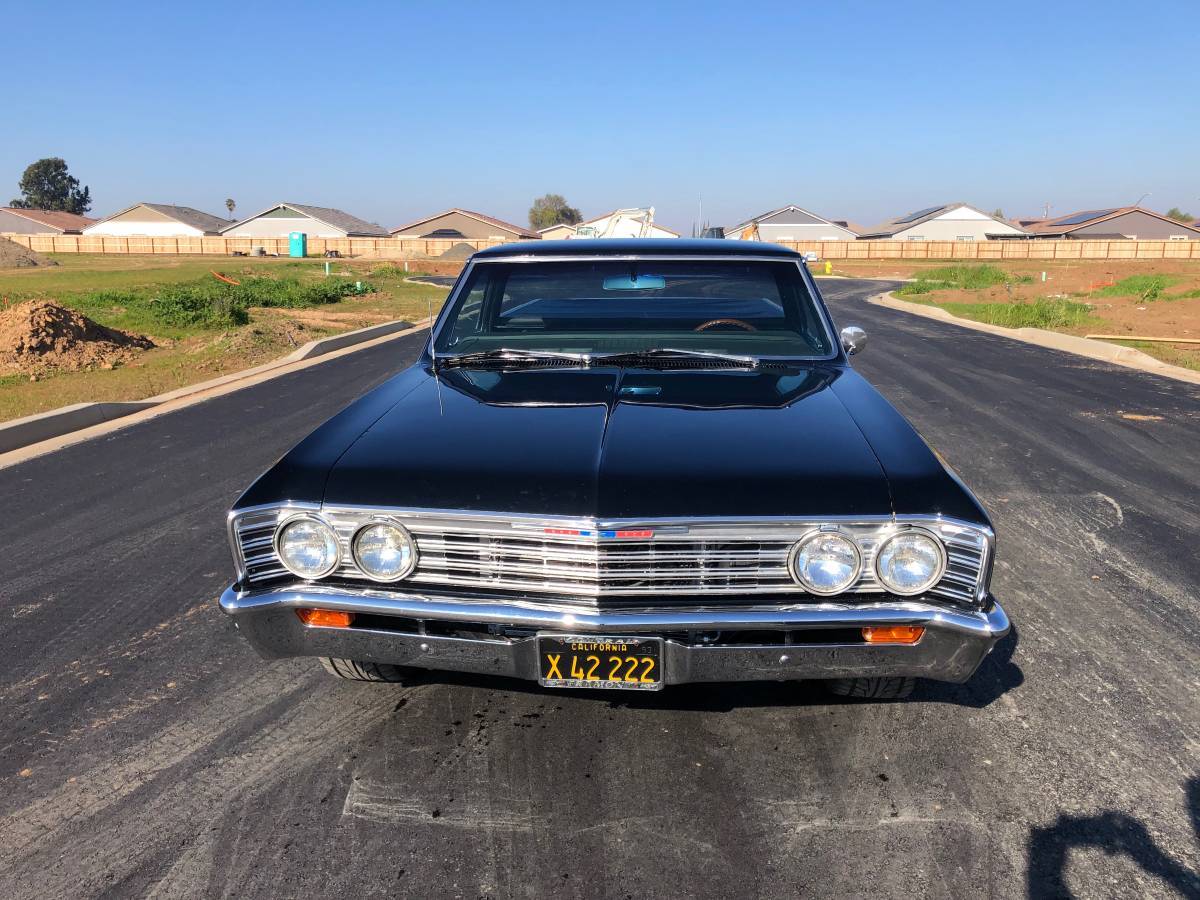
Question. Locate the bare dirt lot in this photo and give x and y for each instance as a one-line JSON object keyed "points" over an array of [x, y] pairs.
{"points": [[1151, 298]]}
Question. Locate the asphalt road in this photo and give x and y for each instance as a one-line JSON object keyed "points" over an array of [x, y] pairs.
{"points": [[146, 751]]}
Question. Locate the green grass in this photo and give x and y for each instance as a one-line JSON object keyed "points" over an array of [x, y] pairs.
{"points": [[194, 317], [1147, 287], [174, 310], [178, 297], [1039, 313], [962, 278]]}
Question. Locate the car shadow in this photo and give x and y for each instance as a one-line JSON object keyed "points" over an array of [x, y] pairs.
{"points": [[1114, 833], [996, 676]]}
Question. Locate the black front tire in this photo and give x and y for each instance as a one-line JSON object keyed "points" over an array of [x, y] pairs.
{"points": [[895, 687], [353, 670]]}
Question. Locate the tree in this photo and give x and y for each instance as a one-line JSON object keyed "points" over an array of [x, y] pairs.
{"points": [[997, 214], [47, 184], [552, 209], [1179, 215], [230, 205]]}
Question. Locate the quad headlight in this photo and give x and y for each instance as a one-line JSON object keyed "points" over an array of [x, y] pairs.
{"points": [[384, 551], [910, 562], [827, 562], [308, 547]]}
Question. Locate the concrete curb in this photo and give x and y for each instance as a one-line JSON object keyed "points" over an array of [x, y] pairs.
{"points": [[58, 422], [1068, 343]]}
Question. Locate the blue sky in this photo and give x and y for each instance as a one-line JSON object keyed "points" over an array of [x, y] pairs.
{"points": [[391, 111]]}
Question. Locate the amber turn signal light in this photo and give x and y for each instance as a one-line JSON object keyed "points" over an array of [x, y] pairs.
{"points": [[330, 618], [893, 634]]}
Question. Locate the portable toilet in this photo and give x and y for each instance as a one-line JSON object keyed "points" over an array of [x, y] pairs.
{"points": [[298, 244]]}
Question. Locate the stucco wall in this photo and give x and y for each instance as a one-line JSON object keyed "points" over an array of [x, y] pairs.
{"points": [[20, 225], [952, 225], [804, 232], [1135, 225], [143, 221], [470, 228], [280, 226]]}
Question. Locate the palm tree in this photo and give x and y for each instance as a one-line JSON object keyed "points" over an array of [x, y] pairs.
{"points": [[229, 205]]}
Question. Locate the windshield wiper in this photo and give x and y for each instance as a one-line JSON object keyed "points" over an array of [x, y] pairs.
{"points": [[510, 354], [660, 353]]}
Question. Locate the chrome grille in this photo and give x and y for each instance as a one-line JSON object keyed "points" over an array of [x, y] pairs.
{"points": [[680, 559]]}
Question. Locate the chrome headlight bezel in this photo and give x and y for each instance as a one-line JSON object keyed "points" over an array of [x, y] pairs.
{"points": [[800, 579], [414, 554], [287, 523], [934, 578]]}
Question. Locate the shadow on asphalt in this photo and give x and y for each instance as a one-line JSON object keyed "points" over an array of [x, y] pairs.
{"points": [[1114, 833], [996, 676]]}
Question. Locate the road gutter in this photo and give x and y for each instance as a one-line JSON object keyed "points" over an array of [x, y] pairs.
{"points": [[46, 432], [1068, 343]]}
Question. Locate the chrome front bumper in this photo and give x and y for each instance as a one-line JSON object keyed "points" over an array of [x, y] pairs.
{"points": [[954, 644]]}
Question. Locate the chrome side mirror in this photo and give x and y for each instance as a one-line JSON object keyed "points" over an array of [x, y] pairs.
{"points": [[854, 340]]}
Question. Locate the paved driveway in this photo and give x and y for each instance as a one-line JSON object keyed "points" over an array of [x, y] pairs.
{"points": [[146, 750]]}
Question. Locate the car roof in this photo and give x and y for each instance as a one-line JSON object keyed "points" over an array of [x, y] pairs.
{"points": [[636, 247]]}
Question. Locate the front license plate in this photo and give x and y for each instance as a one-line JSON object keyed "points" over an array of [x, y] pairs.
{"points": [[574, 661]]}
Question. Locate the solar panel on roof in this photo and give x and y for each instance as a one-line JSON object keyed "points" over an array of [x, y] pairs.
{"points": [[1084, 216], [912, 217]]}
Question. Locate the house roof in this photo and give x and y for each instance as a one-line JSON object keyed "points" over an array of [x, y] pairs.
{"points": [[52, 218], [791, 206], [335, 218], [185, 214], [556, 225], [1086, 218], [908, 220], [489, 220]]}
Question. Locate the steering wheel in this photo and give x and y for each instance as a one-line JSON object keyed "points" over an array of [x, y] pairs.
{"points": [[736, 323]]}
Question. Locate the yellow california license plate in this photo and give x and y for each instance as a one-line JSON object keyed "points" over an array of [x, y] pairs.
{"points": [[574, 661]]}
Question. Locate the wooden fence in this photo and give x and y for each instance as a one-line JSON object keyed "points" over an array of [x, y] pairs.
{"points": [[996, 250], [398, 247], [224, 246]]}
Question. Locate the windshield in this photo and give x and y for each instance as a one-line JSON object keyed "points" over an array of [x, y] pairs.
{"points": [[603, 307]]}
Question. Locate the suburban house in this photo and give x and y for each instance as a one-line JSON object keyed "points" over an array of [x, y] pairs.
{"points": [[158, 220], [790, 223], [558, 232], [621, 223], [41, 221], [462, 224], [1121, 223], [282, 219], [948, 222]]}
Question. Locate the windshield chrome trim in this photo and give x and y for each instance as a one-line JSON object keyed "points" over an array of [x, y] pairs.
{"points": [[837, 354]]}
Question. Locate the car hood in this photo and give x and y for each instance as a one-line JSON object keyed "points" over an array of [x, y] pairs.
{"points": [[609, 443]]}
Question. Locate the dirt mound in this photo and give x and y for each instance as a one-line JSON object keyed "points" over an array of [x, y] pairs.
{"points": [[458, 251], [13, 255], [39, 336]]}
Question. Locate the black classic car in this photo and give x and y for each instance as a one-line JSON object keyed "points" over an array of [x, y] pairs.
{"points": [[622, 464]]}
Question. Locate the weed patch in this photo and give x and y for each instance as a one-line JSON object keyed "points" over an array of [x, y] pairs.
{"points": [[1147, 287], [1039, 313], [962, 277]]}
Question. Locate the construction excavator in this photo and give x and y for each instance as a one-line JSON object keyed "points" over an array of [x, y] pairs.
{"points": [[640, 217], [749, 233]]}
